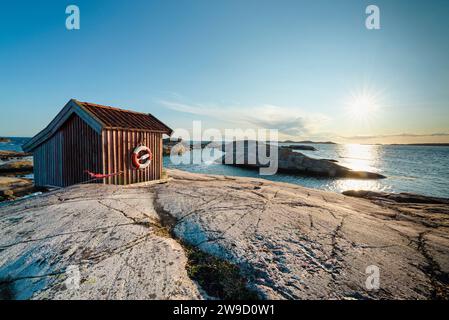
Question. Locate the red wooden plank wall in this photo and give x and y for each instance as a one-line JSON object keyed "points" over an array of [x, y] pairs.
{"points": [[81, 151], [75, 147], [118, 146]]}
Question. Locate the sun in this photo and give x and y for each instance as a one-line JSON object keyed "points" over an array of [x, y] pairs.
{"points": [[362, 105]]}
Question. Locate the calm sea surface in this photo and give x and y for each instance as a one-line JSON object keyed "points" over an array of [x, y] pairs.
{"points": [[417, 169]]}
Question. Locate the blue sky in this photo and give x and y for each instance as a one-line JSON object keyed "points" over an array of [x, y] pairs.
{"points": [[309, 68]]}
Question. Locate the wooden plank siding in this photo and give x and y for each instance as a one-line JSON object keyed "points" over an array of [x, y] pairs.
{"points": [[81, 151], [47, 160], [76, 146], [118, 145], [62, 159]]}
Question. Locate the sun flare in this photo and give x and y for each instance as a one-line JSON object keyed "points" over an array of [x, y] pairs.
{"points": [[362, 105]]}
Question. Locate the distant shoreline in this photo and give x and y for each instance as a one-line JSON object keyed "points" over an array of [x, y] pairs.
{"points": [[424, 144], [420, 144], [308, 142]]}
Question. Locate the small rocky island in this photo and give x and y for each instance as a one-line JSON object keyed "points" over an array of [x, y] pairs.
{"points": [[300, 147], [293, 162], [179, 146], [196, 236], [13, 166]]}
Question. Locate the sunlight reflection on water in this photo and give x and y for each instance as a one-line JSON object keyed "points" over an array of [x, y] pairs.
{"points": [[341, 185], [361, 158], [416, 169]]}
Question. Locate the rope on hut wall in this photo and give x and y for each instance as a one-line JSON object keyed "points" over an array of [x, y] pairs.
{"points": [[98, 176], [102, 176]]}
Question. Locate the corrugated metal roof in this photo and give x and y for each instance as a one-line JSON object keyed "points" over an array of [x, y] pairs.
{"points": [[113, 117], [98, 117]]}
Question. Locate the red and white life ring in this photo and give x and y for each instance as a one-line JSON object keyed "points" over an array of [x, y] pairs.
{"points": [[141, 157]]}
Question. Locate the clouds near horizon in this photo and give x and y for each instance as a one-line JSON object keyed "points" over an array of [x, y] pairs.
{"points": [[290, 122]]}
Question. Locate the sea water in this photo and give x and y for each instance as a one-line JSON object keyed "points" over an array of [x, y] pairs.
{"points": [[415, 169]]}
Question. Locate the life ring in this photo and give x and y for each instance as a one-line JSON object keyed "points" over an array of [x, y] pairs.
{"points": [[146, 157]]}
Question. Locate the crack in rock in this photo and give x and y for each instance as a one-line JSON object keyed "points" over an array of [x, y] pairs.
{"points": [[438, 278]]}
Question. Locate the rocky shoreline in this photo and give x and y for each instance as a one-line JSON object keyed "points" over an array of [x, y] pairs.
{"points": [[160, 240], [293, 162], [18, 164], [14, 166]]}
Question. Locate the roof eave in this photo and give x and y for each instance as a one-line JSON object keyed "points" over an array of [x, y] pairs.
{"points": [[168, 130], [71, 107]]}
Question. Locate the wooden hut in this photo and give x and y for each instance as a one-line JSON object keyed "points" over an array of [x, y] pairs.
{"points": [[87, 142]]}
